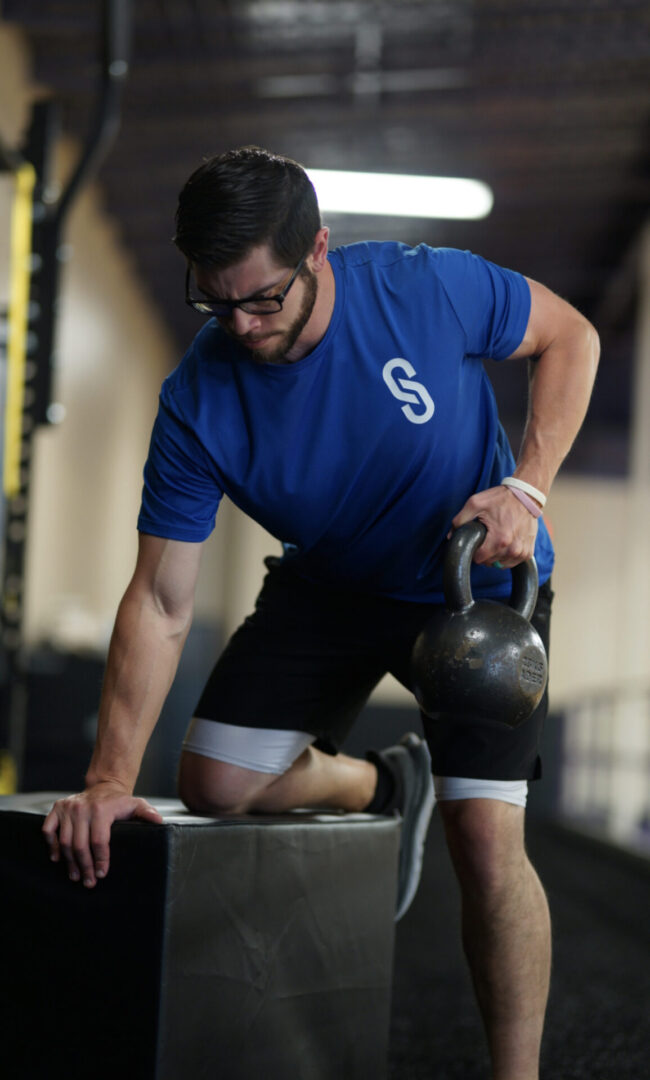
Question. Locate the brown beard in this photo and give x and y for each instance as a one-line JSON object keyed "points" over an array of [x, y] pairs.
{"points": [[288, 338]]}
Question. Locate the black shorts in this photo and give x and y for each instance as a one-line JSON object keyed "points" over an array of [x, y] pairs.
{"points": [[309, 656]]}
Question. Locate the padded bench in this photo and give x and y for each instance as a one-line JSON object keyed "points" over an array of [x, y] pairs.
{"points": [[216, 948]]}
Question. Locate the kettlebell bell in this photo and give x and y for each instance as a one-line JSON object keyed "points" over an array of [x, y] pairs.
{"points": [[480, 656]]}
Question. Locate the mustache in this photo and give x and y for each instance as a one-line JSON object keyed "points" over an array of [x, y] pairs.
{"points": [[245, 339]]}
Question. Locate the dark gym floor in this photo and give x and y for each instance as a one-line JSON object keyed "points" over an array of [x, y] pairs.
{"points": [[598, 1021]]}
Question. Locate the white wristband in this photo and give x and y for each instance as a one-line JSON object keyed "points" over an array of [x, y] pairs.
{"points": [[514, 482]]}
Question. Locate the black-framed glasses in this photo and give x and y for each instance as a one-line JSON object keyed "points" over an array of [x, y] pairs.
{"points": [[252, 305]]}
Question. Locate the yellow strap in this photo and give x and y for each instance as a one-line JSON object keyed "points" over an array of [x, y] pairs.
{"points": [[21, 241], [8, 775]]}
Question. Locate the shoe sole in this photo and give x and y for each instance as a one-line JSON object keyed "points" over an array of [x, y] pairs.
{"points": [[412, 847]]}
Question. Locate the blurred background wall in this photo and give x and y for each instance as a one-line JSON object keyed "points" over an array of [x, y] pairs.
{"points": [[114, 346]]}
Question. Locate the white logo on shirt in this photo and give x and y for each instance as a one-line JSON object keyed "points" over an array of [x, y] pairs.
{"points": [[400, 388]]}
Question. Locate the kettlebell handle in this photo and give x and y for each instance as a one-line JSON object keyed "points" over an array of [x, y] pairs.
{"points": [[456, 573]]}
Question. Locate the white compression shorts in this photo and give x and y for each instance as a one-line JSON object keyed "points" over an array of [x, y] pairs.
{"points": [[267, 750], [270, 750]]}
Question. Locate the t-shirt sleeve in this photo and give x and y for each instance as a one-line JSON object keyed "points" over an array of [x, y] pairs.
{"points": [[181, 495], [491, 303]]}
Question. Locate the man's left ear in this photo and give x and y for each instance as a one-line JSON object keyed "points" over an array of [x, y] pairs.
{"points": [[318, 257]]}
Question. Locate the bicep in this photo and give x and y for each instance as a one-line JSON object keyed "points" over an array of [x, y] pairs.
{"points": [[550, 318], [166, 573]]}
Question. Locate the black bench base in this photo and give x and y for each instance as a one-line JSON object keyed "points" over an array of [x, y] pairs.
{"points": [[216, 948]]}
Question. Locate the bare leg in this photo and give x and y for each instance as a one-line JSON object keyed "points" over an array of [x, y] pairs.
{"points": [[506, 929], [314, 780], [318, 779]]}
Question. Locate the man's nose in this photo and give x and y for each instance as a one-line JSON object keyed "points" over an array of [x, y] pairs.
{"points": [[243, 323]]}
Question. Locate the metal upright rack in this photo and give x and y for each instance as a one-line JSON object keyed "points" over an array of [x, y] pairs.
{"points": [[27, 349]]}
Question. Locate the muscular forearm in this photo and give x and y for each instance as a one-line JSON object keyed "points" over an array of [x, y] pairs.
{"points": [[561, 386], [152, 624], [560, 390], [142, 661]]}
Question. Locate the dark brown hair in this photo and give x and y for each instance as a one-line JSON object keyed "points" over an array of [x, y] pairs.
{"points": [[242, 199]]}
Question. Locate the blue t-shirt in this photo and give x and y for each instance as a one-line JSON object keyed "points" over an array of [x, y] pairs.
{"points": [[358, 456]]}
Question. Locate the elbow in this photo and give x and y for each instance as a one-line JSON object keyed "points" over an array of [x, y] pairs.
{"points": [[593, 345], [176, 612], [583, 340], [170, 612]]}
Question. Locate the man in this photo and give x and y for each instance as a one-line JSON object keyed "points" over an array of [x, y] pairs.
{"points": [[341, 401]]}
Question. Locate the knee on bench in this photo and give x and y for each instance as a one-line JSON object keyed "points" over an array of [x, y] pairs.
{"points": [[208, 786]]}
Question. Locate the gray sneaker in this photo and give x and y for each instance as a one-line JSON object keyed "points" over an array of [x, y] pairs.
{"points": [[414, 800]]}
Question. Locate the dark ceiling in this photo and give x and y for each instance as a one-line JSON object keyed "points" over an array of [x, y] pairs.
{"points": [[548, 102]]}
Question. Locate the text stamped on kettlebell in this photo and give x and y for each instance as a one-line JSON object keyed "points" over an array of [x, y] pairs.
{"points": [[532, 671]]}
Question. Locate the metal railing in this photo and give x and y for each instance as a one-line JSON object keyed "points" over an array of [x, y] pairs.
{"points": [[605, 781]]}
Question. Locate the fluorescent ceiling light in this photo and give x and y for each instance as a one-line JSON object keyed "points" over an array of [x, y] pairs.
{"points": [[415, 80], [401, 196]]}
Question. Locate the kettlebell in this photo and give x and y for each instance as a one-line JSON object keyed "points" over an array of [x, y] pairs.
{"points": [[480, 656]]}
